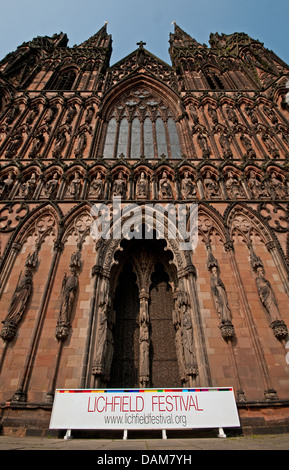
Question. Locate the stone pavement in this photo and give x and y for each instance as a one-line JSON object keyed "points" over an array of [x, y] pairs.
{"points": [[255, 442]]}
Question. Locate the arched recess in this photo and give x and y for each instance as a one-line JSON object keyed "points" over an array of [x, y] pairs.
{"points": [[155, 265], [141, 117], [255, 240]]}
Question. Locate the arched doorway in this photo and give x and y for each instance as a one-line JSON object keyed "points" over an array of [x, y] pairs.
{"points": [[144, 333]]}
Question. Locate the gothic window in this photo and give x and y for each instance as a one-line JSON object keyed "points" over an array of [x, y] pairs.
{"points": [[62, 80], [214, 81], [141, 125]]}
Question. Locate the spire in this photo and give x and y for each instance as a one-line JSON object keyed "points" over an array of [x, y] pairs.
{"points": [[100, 39]]}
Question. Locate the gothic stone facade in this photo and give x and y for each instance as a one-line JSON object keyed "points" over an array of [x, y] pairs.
{"points": [[79, 312]]}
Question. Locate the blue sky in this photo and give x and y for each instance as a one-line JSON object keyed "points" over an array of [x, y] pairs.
{"points": [[130, 21]]}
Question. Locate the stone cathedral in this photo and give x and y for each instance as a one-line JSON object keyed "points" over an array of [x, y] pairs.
{"points": [[137, 310]]}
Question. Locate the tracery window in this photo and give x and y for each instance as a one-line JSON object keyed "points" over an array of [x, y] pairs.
{"points": [[141, 125], [62, 80]]}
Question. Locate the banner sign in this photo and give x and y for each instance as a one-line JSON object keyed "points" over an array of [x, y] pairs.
{"points": [[144, 409]]}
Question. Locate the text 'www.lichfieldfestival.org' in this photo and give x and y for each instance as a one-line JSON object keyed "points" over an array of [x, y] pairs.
{"points": [[147, 418]]}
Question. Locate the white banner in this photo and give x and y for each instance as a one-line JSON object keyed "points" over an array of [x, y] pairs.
{"points": [[144, 409]]}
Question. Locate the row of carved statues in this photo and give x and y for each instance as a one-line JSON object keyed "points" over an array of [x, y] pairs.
{"points": [[37, 139], [145, 186]]}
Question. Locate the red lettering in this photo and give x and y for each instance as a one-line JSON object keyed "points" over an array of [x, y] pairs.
{"points": [[140, 406], [170, 406], [92, 410], [97, 406], [154, 398]]}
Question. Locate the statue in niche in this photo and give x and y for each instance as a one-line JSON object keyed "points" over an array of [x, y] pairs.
{"points": [[247, 144], [268, 299], [226, 145], [211, 186], [32, 115], [144, 341], [252, 114], [256, 186], [277, 186], [27, 189], [188, 188], [12, 114], [187, 335], [194, 114], [204, 146], [89, 115], [119, 186], [14, 145], [20, 299], [270, 146], [142, 186], [70, 114], [219, 293], [68, 292], [213, 114], [37, 145], [232, 116], [270, 114], [50, 188], [74, 188], [82, 143], [233, 186], [6, 185], [165, 188], [50, 115], [96, 187], [105, 341], [59, 144]]}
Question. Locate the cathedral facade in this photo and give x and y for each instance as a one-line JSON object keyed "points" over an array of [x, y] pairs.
{"points": [[84, 144]]}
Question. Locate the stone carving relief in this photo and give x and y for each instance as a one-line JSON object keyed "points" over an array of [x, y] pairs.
{"points": [[211, 186], [267, 297], [165, 187], [220, 297], [188, 188], [6, 185], [233, 186], [96, 187]]}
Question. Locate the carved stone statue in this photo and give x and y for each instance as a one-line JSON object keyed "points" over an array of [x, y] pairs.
{"points": [[219, 293], [187, 336], [233, 186], [96, 187], [6, 185], [267, 295], [50, 188], [188, 188], [18, 305], [68, 292], [256, 186], [204, 146], [144, 340], [59, 144], [165, 189], [247, 144], [232, 116], [28, 188], [226, 146], [81, 146], [37, 145], [119, 186], [70, 114], [213, 114], [277, 187], [105, 340], [211, 186], [271, 147], [142, 186], [74, 188], [14, 145]]}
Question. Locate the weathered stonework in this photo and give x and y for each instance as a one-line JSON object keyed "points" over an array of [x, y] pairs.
{"points": [[211, 129]]}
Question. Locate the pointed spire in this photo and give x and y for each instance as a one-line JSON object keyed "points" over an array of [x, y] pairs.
{"points": [[100, 39]]}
